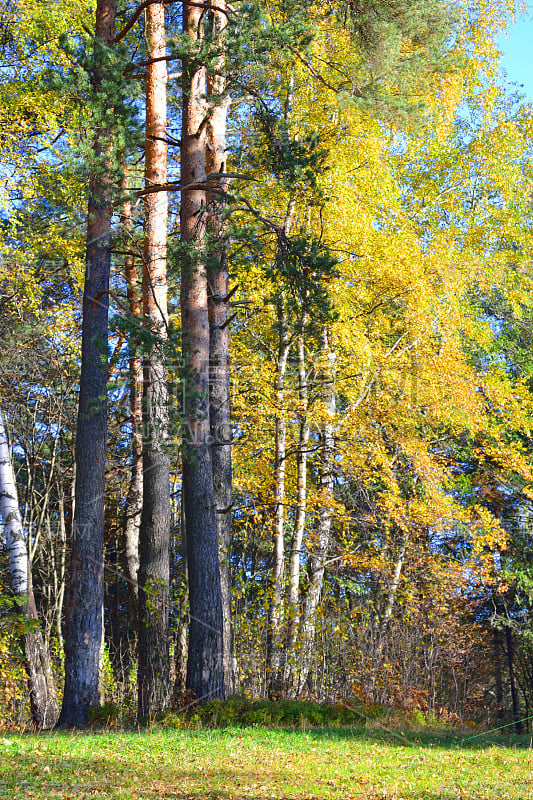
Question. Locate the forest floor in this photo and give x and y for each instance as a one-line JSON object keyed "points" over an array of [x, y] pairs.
{"points": [[263, 764]]}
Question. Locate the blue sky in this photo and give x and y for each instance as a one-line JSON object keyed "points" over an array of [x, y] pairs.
{"points": [[517, 48]]}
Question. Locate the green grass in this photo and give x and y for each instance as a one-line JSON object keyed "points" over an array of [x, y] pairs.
{"points": [[253, 763]]}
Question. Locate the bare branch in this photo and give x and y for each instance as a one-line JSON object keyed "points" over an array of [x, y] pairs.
{"points": [[315, 72]]}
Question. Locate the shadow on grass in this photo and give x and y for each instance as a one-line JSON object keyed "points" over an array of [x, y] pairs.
{"points": [[116, 770], [42, 778], [376, 732], [425, 737], [382, 734]]}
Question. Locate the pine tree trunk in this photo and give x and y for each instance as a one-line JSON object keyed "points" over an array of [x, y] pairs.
{"points": [[154, 536], [134, 498], [43, 697], [181, 624], [85, 592], [205, 664], [218, 306], [317, 559]]}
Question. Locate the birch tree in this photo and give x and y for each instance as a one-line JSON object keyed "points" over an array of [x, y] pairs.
{"points": [[43, 697]]}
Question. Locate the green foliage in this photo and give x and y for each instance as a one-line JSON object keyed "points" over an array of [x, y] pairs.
{"points": [[108, 715], [242, 712], [13, 619], [402, 46], [295, 161], [113, 106], [13, 682], [304, 265]]}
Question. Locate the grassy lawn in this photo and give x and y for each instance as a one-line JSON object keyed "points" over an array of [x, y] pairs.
{"points": [[258, 763]]}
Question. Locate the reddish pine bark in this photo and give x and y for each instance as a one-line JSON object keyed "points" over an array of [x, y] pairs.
{"points": [[85, 591], [205, 665], [154, 542], [218, 307]]}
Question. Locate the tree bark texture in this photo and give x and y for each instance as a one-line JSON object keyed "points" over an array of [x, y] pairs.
{"points": [[134, 498], [512, 680], [498, 675], [218, 308], [274, 676], [43, 697], [391, 596], [205, 664], [317, 558], [273, 655], [154, 686], [293, 592], [85, 593]]}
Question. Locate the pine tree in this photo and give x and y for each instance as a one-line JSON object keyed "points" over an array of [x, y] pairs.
{"points": [[154, 539], [205, 664], [85, 593]]}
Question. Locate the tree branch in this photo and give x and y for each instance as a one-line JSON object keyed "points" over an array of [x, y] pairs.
{"points": [[315, 72], [129, 25], [177, 185], [147, 63]]}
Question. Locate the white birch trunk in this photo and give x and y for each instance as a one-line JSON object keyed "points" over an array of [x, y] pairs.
{"points": [[9, 509], [43, 699], [273, 659], [318, 557], [293, 593], [273, 654]]}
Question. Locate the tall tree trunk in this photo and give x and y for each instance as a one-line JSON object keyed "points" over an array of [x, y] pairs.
{"points": [[498, 674], [293, 594], [43, 697], [273, 655], [85, 593], [134, 498], [62, 546], [512, 680], [205, 664], [317, 559], [154, 535], [274, 676], [182, 622], [391, 596], [218, 306]]}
